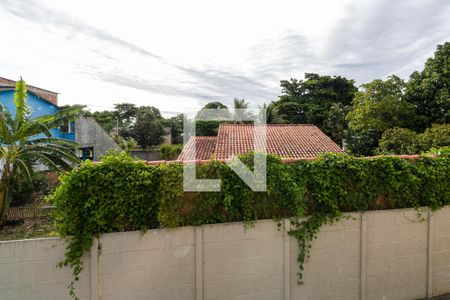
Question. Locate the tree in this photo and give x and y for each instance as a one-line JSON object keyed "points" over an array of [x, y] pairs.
{"points": [[273, 116], [106, 119], [240, 110], [125, 113], [125, 143], [148, 130], [308, 101], [209, 128], [240, 103], [124, 117], [399, 141], [361, 143], [170, 152], [335, 123], [429, 90], [438, 135], [380, 106], [176, 128], [406, 141], [26, 141]]}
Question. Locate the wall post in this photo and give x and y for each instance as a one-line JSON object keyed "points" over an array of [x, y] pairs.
{"points": [[430, 241], [363, 270], [287, 260], [199, 263], [94, 270]]}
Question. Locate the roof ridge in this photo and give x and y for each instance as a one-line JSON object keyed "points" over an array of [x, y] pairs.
{"points": [[204, 136], [29, 85], [46, 95], [247, 125]]}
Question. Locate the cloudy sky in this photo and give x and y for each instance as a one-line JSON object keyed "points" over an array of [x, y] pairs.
{"points": [[178, 55]]}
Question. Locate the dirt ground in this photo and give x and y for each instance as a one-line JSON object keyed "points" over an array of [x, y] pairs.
{"points": [[26, 229]]}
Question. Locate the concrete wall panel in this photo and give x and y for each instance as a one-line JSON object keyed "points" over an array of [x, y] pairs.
{"points": [[374, 255]]}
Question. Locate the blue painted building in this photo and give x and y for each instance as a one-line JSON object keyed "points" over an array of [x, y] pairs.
{"points": [[93, 141], [42, 102]]}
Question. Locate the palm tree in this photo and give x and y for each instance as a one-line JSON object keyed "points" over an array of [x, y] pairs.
{"points": [[336, 124], [273, 116], [26, 141], [240, 103], [240, 110]]}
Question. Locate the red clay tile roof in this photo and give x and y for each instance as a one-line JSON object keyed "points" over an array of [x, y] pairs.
{"points": [[287, 141], [204, 146]]}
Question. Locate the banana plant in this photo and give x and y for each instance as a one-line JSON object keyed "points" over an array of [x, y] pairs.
{"points": [[26, 142]]}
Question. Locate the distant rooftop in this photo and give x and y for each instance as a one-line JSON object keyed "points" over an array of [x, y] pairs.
{"points": [[49, 96], [284, 140], [205, 146]]}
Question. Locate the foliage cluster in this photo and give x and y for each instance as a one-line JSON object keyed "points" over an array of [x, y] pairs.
{"points": [[121, 194], [356, 118], [23, 192], [405, 141], [359, 117], [26, 141], [143, 124], [170, 152], [318, 100]]}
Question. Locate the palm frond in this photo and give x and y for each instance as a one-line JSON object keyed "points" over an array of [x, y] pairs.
{"points": [[25, 167], [55, 120], [31, 129], [54, 151], [23, 110], [21, 144], [54, 140], [52, 161], [6, 124]]}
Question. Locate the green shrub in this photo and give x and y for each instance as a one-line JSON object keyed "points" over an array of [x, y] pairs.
{"points": [[121, 194], [440, 151], [405, 141], [399, 141], [116, 195], [170, 152], [438, 135], [25, 191]]}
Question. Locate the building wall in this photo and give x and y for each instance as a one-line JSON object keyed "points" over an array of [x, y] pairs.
{"points": [[48, 95], [39, 107], [90, 134], [389, 254], [147, 155]]}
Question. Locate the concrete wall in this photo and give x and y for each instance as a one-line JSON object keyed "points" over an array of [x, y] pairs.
{"points": [[374, 255], [90, 134], [147, 155], [28, 271]]}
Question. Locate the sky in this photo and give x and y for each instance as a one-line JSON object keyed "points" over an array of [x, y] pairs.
{"points": [[179, 55]]}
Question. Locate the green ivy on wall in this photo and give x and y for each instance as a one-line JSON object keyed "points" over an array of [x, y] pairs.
{"points": [[120, 194]]}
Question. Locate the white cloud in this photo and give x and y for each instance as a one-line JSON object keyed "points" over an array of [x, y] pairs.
{"points": [[177, 55]]}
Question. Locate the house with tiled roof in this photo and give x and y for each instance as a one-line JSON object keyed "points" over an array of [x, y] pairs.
{"points": [[284, 140]]}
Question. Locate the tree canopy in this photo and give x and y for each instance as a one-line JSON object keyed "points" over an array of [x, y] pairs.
{"points": [[429, 89], [379, 105], [356, 118], [209, 128], [309, 101]]}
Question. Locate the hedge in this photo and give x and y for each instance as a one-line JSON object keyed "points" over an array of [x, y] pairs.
{"points": [[120, 194]]}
